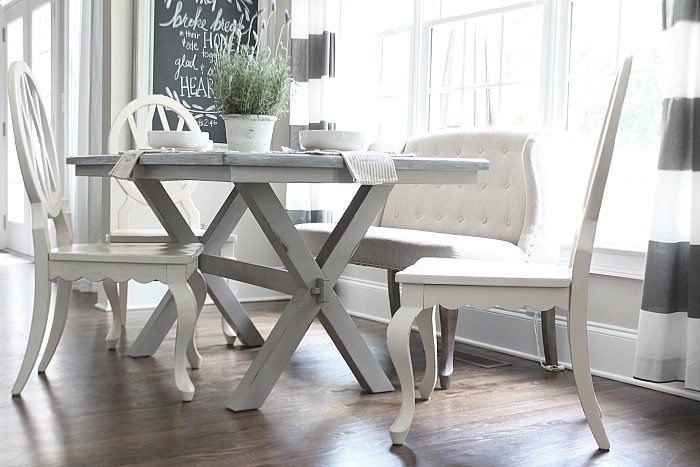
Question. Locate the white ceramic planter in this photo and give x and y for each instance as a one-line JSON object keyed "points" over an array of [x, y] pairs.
{"points": [[249, 133]]}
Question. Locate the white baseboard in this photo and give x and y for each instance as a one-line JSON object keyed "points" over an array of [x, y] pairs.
{"points": [[147, 296], [611, 348]]}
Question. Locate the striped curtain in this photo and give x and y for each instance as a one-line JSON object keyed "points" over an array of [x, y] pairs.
{"points": [[668, 346], [313, 31]]}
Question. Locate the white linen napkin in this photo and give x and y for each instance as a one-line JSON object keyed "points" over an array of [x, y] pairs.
{"points": [[370, 168], [124, 168]]}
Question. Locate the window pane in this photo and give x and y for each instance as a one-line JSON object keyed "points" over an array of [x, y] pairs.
{"points": [[447, 56], [372, 16], [446, 110], [396, 49], [392, 122], [41, 52], [15, 187], [626, 214], [641, 32], [594, 30], [482, 44], [519, 105], [522, 44]]}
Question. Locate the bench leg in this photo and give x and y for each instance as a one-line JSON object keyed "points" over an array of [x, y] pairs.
{"points": [[549, 337], [448, 329], [394, 294]]}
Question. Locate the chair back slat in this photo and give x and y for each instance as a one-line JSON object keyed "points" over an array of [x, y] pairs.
{"points": [[36, 150], [163, 119], [156, 107], [582, 247]]}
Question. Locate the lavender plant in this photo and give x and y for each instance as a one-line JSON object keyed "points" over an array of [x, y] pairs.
{"points": [[253, 79]]}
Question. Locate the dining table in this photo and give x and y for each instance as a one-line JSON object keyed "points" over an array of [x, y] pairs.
{"points": [[307, 279]]}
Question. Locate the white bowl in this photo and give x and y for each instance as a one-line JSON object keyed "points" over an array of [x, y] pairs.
{"points": [[196, 140], [333, 140]]}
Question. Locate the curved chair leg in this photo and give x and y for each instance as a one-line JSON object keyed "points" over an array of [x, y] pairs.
{"points": [[426, 327], [186, 319], [578, 343], [40, 318], [228, 331], [123, 300], [113, 296], [398, 334], [199, 288], [448, 329], [59, 322]]}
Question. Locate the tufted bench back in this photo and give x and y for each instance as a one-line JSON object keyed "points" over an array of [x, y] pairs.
{"points": [[502, 204]]}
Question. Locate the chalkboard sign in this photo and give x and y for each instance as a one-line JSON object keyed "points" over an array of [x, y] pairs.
{"points": [[187, 35]]}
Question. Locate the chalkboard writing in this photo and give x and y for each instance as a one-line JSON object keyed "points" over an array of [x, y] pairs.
{"points": [[187, 35]]}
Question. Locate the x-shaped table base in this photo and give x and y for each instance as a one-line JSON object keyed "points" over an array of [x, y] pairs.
{"points": [[309, 280], [226, 219]]}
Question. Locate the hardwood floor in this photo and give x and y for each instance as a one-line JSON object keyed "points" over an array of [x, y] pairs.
{"points": [[100, 407]]}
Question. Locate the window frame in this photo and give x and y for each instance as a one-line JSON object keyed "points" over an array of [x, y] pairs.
{"points": [[619, 261]]}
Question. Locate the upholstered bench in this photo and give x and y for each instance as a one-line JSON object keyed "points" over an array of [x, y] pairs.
{"points": [[500, 218]]}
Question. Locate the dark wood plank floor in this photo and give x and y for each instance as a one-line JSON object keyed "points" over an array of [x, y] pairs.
{"points": [[100, 407]]}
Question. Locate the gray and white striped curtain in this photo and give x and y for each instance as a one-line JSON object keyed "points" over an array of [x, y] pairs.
{"points": [[312, 101], [668, 345]]}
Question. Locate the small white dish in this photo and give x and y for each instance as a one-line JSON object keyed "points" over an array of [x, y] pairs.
{"points": [[196, 140], [333, 140]]}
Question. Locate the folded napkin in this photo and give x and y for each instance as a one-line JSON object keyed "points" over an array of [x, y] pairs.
{"points": [[370, 168], [124, 168]]}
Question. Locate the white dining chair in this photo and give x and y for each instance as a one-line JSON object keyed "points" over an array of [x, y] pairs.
{"points": [[173, 264], [452, 283], [131, 125]]}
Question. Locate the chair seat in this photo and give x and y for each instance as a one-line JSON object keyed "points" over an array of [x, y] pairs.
{"points": [[446, 271], [392, 248], [150, 236], [140, 253]]}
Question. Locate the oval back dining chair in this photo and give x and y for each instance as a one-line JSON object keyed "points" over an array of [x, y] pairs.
{"points": [[180, 191], [453, 283], [173, 264], [137, 119]]}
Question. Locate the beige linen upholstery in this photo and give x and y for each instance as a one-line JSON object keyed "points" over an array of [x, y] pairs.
{"points": [[396, 249], [503, 208]]}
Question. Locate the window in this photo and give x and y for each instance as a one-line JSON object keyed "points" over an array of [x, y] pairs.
{"points": [[413, 66]]}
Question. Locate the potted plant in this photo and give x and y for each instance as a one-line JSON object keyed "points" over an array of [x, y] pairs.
{"points": [[251, 87]]}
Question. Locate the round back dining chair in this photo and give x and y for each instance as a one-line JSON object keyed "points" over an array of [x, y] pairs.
{"points": [[174, 264]]}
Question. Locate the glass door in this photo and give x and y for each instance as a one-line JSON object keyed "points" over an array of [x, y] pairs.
{"points": [[27, 34]]}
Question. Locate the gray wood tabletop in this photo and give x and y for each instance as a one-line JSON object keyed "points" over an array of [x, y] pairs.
{"points": [[277, 167]]}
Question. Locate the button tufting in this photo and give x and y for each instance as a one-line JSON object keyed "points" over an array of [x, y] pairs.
{"points": [[460, 219], [418, 216], [459, 151], [484, 220], [460, 186], [439, 217], [483, 185], [481, 150], [396, 214], [438, 186], [508, 223], [505, 151], [507, 185]]}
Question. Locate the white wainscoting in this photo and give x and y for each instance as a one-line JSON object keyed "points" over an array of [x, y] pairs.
{"points": [[511, 332]]}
